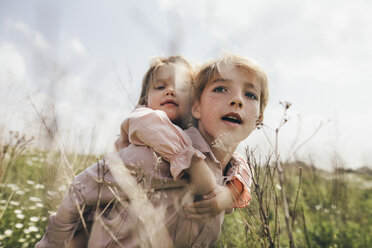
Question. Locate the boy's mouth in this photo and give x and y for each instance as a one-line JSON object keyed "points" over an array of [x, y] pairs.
{"points": [[232, 117], [169, 101]]}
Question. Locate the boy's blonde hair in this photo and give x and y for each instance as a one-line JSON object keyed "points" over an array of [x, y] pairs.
{"points": [[212, 68], [155, 64]]}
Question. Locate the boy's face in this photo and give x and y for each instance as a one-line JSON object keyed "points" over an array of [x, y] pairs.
{"points": [[229, 106], [170, 91]]}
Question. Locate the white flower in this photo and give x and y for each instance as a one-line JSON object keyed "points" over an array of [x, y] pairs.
{"points": [[19, 225], [40, 205], [14, 203], [12, 186], [34, 219], [39, 186], [17, 211], [33, 229], [21, 240], [20, 216], [30, 182], [35, 199], [317, 207], [278, 186], [20, 192], [38, 236], [8, 232]]}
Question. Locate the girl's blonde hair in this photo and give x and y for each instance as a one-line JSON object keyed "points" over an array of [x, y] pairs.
{"points": [[155, 64], [212, 68]]}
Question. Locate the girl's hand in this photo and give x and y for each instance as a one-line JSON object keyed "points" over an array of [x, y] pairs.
{"points": [[211, 204]]}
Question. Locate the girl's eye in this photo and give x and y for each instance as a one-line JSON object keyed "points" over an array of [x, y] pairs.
{"points": [[219, 89], [160, 87], [251, 95]]}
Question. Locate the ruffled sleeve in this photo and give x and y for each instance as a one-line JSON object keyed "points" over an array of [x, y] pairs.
{"points": [[241, 180], [147, 127]]}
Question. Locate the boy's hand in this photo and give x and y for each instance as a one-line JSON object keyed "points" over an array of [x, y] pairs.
{"points": [[211, 204]]}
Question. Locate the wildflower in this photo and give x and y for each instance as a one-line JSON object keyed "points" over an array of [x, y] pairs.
{"points": [[21, 240], [17, 211], [38, 236], [317, 207], [8, 232], [39, 205], [34, 219], [30, 182], [278, 186], [326, 211], [34, 199], [12, 186], [14, 203], [18, 225], [2, 237], [39, 186], [33, 229], [20, 216], [20, 192]]}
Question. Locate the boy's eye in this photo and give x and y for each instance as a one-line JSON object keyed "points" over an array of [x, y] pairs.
{"points": [[251, 95], [219, 89]]}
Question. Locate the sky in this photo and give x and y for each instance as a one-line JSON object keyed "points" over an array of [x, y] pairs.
{"points": [[82, 62]]}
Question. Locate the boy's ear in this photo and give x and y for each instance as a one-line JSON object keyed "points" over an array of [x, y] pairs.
{"points": [[195, 110], [259, 120]]}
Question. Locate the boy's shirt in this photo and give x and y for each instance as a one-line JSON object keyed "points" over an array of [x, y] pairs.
{"points": [[118, 224], [153, 128]]}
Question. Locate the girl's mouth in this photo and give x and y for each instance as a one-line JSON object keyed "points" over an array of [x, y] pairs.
{"points": [[169, 101]]}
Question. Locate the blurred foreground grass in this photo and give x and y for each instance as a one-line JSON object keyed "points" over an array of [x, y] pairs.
{"points": [[334, 209]]}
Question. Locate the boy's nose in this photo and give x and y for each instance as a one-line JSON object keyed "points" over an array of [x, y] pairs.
{"points": [[237, 102]]}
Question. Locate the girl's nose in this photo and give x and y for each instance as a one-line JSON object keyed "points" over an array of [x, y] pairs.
{"points": [[170, 91]]}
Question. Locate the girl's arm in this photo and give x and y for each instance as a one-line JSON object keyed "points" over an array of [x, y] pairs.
{"points": [[147, 127], [80, 198]]}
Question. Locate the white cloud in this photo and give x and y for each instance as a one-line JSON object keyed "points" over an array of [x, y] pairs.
{"points": [[12, 64], [34, 36], [78, 47]]}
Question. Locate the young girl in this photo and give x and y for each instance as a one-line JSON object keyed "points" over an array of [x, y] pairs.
{"points": [[83, 191]]}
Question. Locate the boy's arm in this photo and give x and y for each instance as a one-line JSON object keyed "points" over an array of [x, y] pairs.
{"points": [[147, 127], [202, 179], [235, 194], [240, 182]]}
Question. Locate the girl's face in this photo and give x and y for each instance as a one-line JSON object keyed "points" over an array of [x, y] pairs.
{"points": [[170, 91], [229, 106]]}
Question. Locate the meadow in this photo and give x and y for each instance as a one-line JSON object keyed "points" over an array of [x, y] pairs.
{"points": [[293, 204]]}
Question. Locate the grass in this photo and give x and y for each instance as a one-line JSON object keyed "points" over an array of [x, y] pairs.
{"points": [[324, 209]]}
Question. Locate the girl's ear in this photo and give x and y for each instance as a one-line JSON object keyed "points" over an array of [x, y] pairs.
{"points": [[195, 110]]}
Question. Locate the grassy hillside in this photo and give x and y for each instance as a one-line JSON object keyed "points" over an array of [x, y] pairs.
{"points": [[325, 209]]}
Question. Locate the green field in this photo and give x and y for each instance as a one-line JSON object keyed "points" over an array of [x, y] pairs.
{"points": [[326, 209]]}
